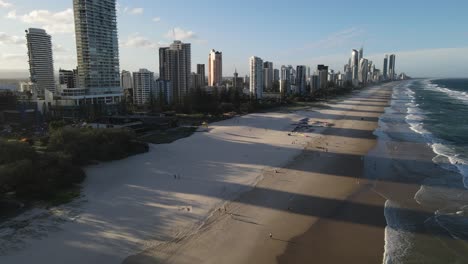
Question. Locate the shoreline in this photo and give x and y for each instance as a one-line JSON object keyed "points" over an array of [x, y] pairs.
{"points": [[319, 215]]}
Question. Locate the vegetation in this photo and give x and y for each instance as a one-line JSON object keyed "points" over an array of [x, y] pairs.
{"points": [[51, 173], [85, 145], [169, 136]]}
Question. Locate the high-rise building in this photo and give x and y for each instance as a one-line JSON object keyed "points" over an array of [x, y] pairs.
{"points": [[175, 65], [202, 73], [97, 46], [126, 82], [195, 80], [314, 83], [256, 78], [143, 83], [355, 65], [268, 72], [215, 68], [67, 78], [361, 53], [385, 68], [237, 82], [162, 90], [41, 62], [363, 71], [301, 79], [322, 72], [391, 67], [276, 75]]}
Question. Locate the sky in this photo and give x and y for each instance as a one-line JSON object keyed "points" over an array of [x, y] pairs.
{"points": [[430, 38]]}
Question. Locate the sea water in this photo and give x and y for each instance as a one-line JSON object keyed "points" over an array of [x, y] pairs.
{"points": [[420, 165]]}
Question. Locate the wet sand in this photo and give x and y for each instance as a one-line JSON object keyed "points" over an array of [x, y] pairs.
{"points": [[317, 209]]}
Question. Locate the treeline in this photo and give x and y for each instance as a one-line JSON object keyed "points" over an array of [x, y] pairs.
{"points": [[215, 102], [47, 169]]}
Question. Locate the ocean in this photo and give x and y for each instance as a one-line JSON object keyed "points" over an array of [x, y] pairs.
{"points": [[420, 165]]}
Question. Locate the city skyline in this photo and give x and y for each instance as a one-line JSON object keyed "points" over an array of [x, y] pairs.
{"points": [[422, 53]]}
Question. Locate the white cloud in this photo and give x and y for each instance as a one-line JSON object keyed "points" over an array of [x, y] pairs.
{"points": [[11, 40], [138, 41], [58, 48], [136, 11], [157, 19], [59, 22], [5, 4], [337, 39], [11, 14], [180, 34]]}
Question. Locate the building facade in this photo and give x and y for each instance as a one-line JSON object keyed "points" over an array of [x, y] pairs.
{"points": [[175, 65], [162, 90], [97, 46], [41, 62], [67, 78], [215, 68], [391, 67], [385, 68], [301, 79], [143, 83], [202, 73], [256, 78], [268, 73]]}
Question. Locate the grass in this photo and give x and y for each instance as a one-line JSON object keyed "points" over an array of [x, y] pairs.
{"points": [[168, 136]]}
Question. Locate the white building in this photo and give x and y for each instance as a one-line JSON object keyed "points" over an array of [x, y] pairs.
{"points": [[143, 83], [97, 46], [256, 78], [363, 71], [215, 68], [41, 62]]}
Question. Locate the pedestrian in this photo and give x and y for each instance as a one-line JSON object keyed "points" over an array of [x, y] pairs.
{"points": [[271, 235]]}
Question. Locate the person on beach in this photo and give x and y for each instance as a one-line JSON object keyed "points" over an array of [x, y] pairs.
{"points": [[271, 235]]}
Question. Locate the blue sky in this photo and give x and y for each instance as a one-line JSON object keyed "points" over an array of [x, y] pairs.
{"points": [[430, 38]]}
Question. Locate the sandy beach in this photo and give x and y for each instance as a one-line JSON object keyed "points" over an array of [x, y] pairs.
{"points": [[317, 208], [216, 196]]}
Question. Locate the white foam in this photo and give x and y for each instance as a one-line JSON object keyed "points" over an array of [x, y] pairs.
{"points": [[458, 95]]}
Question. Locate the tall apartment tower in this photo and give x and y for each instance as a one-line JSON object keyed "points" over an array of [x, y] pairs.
{"points": [[301, 79], [355, 64], [41, 62], [202, 73], [268, 73], [256, 78], [391, 67], [175, 65], [385, 68], [215, 68], [143, 83], [97, 46]]}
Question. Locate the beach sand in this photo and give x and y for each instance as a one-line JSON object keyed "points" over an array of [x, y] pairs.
{"points": [[216, 196], [316, 209]]}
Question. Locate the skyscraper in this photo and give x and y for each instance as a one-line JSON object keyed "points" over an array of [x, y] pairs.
{"points": [[126, 82], [361, 53], [41, 62], [97, 46], [215, 68], [355, 65], [237, 82], [143, 83], [385, 68], [202, 73], [276, 75], [301, 79], [256, 78], [391, 67], [322, 71], [175, 65], [268, 73], [363, 71]]}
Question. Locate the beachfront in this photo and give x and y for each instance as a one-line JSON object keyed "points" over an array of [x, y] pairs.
{"points": [[157, 202]]}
